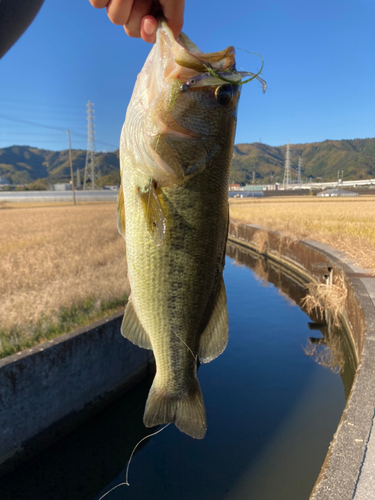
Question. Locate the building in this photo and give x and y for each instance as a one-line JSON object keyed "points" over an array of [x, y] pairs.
{"points": [[336, 192], [62, 187]]}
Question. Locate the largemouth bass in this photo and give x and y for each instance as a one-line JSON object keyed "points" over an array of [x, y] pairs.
{"points": [[175, 152]]}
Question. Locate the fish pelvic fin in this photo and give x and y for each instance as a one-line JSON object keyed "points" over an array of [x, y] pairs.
{"points": [[187, 412], [153, 212], [214, 338], [132, 328]]}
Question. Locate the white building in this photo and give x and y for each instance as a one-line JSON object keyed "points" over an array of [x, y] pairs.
{"points": [[62, 187], [336, 192]]}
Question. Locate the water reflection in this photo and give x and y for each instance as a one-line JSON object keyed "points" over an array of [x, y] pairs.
{"points": [[271, 414], [333, 349]]}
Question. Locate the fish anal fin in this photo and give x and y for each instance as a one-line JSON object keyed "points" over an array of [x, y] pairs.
{"points": [[153, 212], [214, 338], [132, 328], [187, 412], [120, 212]]}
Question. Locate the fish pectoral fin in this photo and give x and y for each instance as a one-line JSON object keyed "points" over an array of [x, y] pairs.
{"points": [[186, 410], [153, 212], [214, 338], [120, 212], [132, 328]]}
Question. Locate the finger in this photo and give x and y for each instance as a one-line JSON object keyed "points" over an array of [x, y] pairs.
{"points": [[118, 11], [173, 11], [99, 4], [140, 9], [148, 29]]}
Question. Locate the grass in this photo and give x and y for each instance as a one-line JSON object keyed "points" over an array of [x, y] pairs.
{"points": [[61, 267], [65, 320], [346, 224], [326, 300]]}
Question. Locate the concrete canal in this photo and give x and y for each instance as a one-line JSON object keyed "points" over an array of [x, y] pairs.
{"points": [[274, 399]]}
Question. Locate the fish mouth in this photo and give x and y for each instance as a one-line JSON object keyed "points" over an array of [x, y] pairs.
{"points": [[196, 68], [188, 61]]}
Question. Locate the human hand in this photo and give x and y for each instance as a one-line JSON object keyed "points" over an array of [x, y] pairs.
{"points": [[139, 16]]}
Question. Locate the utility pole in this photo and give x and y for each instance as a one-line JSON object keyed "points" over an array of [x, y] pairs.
{"points": [[71, 167], [253, 182], [78, 179], [342, 181], [286, 181], [90, 168]]}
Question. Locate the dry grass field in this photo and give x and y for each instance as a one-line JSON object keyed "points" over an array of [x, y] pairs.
{"points": [[63, 266], [60, 267], [347, 224]]}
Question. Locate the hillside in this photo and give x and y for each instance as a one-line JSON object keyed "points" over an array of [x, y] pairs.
{"points": [[24, 164], [319, 159]]}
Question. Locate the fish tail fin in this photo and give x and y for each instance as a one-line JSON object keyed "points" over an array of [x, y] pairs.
{"points": [[186, 412]]}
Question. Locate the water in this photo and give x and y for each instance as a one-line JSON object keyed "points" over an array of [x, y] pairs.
{"points": [[271, 409]]}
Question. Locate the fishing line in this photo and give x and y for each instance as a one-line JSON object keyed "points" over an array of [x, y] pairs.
{"points": [[126, 483], [135, 447], [117, 485], [185, 344]]}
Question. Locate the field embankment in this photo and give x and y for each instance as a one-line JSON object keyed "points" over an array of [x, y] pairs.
{"points": [[347, 224], [61, 267]]}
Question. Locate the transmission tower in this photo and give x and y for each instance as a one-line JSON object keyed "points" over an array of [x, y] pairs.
{"points": [[299, 179], [287, 177], [91, 172]]}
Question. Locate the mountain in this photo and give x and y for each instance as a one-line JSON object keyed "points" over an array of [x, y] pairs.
{"points": [[319, 159], [24, 164]]}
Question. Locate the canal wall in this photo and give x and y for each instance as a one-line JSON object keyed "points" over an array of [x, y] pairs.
{"points": [[349, 468], [49, 389]]}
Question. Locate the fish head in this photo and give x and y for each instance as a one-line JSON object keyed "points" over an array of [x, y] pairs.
{"points": [[183, 112]]}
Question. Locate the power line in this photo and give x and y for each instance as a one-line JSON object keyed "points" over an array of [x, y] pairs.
{"points": [[51, 127], [34, 124]]}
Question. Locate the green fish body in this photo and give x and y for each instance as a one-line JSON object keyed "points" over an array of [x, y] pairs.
{"points": [[176, 151]]}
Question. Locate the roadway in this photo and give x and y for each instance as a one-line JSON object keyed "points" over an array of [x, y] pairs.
{"points": [[57, 196]]}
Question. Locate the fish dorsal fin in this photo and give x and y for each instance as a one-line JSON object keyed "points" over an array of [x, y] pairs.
{"points": [[120, 212], [214, 338], [153, 212], [132, 328]]}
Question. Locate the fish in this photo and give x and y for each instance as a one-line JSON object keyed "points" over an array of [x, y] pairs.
{"points": [[175, 155]]}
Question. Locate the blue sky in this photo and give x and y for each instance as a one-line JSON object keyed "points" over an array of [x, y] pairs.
{"points": [[318, 64]]}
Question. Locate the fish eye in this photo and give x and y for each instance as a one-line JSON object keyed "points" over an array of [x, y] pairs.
{"points": [[224, 94]]}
